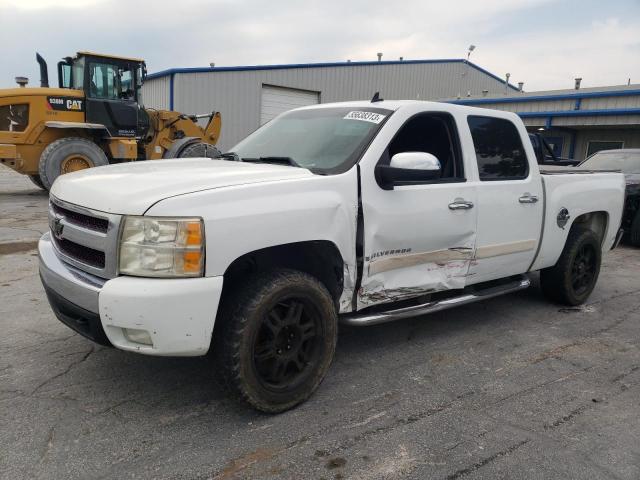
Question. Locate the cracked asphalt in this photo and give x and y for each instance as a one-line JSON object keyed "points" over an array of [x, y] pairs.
{"points": [[512, 388]]}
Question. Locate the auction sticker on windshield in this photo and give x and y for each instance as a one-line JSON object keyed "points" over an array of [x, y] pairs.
{"points": [[365, 116]]}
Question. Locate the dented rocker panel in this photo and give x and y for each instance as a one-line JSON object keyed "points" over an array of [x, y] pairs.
{"points": [[464, 298]]}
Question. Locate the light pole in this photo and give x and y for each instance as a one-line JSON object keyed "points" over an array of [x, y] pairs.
{"points": [[471, 49], [465, 74]]}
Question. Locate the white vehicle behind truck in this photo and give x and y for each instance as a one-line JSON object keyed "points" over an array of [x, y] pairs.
{"points": [[360, 212]]}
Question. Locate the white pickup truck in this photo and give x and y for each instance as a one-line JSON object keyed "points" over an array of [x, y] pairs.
{"points": [[360, 212]]}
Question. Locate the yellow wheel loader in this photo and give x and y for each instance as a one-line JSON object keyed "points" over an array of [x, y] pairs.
{"points": [[94, 118]]}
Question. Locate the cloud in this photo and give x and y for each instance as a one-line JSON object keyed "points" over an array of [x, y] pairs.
{"points": [[537, 41], [603, 52], [47, 4]]}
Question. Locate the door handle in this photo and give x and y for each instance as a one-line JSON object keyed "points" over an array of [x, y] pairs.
{"points": [[528, 198], [460, 204]]}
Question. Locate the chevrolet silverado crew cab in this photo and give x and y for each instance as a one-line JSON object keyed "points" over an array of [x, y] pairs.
{"points": [[359, 212]]}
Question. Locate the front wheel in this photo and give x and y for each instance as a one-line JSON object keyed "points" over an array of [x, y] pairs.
{"points": [[572, 279], [277, 339]]}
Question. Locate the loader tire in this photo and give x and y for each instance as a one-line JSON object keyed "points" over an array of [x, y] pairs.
{"points": [[199, 150], [36, 181], [572, 279], [634, 234], [276, 340], [68, 155]]}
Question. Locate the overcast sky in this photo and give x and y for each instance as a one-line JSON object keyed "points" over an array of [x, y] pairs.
{"points": [[545, 43]]}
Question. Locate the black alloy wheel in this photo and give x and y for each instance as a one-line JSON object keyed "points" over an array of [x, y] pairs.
{"points": [[572, 279], [288, 344], [275, 338], [583, 270]]}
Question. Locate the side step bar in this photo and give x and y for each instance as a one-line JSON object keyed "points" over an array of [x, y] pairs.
{"points": [[364, 319]]}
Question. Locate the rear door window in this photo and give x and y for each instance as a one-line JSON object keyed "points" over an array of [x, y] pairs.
{"points": [[499, 151]]}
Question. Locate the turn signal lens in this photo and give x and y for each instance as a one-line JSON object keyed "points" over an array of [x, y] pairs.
{"points": [[194, 233], [162, 247]]}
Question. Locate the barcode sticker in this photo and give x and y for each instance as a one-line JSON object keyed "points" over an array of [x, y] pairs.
{"points": [[365, 116]]}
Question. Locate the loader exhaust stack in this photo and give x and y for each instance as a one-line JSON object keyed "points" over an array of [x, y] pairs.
{"points": [[44, 74]]}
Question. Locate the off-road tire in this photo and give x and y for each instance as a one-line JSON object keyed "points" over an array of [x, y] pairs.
{"points": [[558, 282], [199, 149], [634, 234], [245, 313], [35, 179], [53, 156]]}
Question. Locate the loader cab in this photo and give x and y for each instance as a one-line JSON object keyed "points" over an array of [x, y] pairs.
{"points": [[112, 90]]}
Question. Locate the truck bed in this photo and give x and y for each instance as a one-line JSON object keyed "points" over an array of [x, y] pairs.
{"points": [[578, 191]]}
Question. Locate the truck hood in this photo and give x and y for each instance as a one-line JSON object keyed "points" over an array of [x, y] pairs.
{"points": [[131, 188]]}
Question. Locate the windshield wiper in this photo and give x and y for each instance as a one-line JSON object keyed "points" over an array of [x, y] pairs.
{"points": [[277, 160], [230, 156]]}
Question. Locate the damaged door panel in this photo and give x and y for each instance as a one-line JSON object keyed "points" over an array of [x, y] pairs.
{"points": [[419, 218], [391, 275]]}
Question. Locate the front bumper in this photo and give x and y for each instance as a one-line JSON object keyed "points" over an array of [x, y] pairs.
{"points": [[177, 314], [85, 322]]}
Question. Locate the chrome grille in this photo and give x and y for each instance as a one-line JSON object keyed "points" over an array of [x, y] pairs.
{"points": [[86, 255], [82, 220], [85, 238]]}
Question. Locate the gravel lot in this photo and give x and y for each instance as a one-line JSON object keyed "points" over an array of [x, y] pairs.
{"points": [[512, 388]]}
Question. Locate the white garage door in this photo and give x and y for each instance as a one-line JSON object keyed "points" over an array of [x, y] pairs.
{"points": [[276, 100]]}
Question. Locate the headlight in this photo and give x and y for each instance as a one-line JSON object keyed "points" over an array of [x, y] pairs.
{"points": [[162, 247]]}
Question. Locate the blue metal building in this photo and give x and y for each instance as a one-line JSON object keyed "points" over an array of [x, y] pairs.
{"points": [[577, 122], [249, 96]]}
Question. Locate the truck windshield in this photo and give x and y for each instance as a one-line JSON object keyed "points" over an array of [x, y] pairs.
{"points": [[628, 162], [323, 140]]}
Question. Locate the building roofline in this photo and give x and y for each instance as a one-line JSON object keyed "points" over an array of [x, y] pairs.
{"points": [[536, 98], [173, 71], [581, 113]]}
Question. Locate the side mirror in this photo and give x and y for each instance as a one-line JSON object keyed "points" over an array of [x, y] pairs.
{"points": [[408, 168]]}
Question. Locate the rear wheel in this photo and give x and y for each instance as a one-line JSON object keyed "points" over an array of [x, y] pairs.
{"points": [[277, 339], [68, 155], [634, 235], [199, 149], [572, 279], [36, 181]]}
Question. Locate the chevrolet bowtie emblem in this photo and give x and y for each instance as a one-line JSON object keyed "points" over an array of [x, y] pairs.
{"points": [[57, 227]]}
